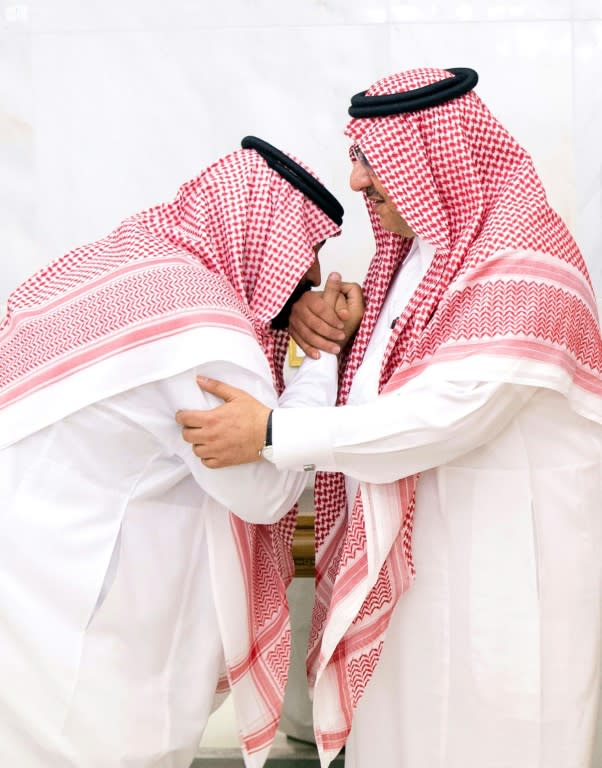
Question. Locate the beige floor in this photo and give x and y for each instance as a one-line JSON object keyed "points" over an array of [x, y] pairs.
{"points": [[220, 732]]}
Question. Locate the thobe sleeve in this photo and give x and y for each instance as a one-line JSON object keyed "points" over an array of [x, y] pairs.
{"points": [[257, 492], [424, 424]]}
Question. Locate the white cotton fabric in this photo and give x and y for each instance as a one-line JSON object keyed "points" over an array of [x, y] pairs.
{"points": [[492, 659], [114, 539]]}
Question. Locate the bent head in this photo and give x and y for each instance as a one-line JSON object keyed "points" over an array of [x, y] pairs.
{"points": [[363, 179], [311, 279]]}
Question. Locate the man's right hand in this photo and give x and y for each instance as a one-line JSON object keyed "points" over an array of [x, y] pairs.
{"points": [[326, 320]]}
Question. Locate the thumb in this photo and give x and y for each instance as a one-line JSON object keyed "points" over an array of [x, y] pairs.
{"points": [[352, 292], [218, 388], [332, 288]]}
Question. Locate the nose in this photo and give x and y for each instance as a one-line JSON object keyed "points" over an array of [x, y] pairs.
{"points": [[313, 274], [360, 177]]}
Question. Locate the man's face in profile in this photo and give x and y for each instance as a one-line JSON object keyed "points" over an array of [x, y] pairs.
{"points": [[363, 179], [311, 279]]}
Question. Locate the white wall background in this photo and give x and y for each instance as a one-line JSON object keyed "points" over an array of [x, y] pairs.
{"points": [[106, 106]]}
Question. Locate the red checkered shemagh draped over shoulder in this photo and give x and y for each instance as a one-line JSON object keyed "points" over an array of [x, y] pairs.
{"points": [[507, 284], [228, 251]]}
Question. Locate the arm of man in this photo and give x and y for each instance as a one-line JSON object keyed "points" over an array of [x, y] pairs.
{"points": [[424, 424], [258, 491]]}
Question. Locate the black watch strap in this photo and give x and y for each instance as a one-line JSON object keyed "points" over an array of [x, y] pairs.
{"points": [[268, 430]]}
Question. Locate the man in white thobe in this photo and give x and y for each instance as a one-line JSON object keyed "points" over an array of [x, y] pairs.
{"points": [[133, 581]]}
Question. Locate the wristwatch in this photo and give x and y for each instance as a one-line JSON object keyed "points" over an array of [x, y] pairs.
{"points": [[267, 451]]}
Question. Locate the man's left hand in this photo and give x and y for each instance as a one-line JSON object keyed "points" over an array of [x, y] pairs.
{"points": [[232, 433]]}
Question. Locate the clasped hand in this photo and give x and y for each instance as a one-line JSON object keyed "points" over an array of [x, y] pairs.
{"points": [[326, 320]]}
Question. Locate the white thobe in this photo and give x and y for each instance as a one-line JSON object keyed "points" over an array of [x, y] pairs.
{"points": [[492, 657], [109, 646]]}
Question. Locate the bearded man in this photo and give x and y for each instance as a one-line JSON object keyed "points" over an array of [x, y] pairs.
{"points": [[134, 582], [458, 527]]}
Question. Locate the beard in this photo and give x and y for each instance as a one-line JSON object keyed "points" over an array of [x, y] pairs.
{"points": [[280, 322]]}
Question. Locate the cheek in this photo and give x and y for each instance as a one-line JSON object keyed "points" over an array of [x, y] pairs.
{"points": [[393, 222], [391, 213]]}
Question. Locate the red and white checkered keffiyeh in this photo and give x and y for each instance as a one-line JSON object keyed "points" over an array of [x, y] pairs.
{"points": [[507, 291], [227, 252]]}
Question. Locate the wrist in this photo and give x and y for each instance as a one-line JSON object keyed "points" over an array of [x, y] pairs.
{"points": [[266, 451], [268, 431]]}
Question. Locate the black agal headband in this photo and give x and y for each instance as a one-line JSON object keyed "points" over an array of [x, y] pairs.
{"points": [[297, 176], [463, 80]]}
